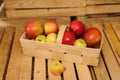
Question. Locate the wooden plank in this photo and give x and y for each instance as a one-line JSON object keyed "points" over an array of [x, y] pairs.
{"points": [[83, 72], [50, 75], [112, 37], [40, 69], [25, 68], [102, 9], [18, 22], [15, 58], [1, 2], [116, 27], [92, 73], [99, 19], [100, 69], [69, 73], [110, 60], [2, 11], [5, 48], [44, 3], [91, 2], [46, 12], [19, 65], [1, 33]]}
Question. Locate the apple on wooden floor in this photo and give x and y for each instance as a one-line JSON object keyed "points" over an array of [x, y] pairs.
{"points": [[57, 68]]}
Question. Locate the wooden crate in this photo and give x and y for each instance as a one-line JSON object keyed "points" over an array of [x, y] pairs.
{"points": [[58, 51], [32, 8]]}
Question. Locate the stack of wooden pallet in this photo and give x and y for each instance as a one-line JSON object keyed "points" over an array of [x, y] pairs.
{"points": [[23, 8]]}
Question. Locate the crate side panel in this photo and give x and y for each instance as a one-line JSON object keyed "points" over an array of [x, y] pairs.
{"points": [[46, 12], [45, 52], [103, 9], [19, 22], [89, 2], [43, 3]]}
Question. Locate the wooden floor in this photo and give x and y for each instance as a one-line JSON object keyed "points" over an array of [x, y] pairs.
{"points": [[16, 66]]}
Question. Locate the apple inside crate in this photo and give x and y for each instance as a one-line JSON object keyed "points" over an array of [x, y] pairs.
{"points": [[58, 51]]}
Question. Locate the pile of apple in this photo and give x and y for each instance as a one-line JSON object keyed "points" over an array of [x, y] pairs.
{"points": [[76, 34]]}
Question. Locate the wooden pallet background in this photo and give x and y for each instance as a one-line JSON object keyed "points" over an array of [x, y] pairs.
{"points": [[23, 8]]}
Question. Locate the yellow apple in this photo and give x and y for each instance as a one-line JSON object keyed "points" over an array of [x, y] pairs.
{"points": [[80, 43], [57, 68], [52, 37]]}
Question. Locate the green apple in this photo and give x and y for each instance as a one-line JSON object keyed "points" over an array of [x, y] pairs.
{"points": [[41, 38], [80, 43], [52, 37]]}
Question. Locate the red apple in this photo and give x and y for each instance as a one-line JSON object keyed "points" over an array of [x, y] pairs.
{"points": [[92, 36], [51, 26], [33, 29], [69, 38], [77, 27]]}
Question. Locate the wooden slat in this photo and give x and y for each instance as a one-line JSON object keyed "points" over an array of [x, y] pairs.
{"points": [[89, 2], [43, 3], [116, 27], [46, 12], [19, 65], [1, 33], [2, 11], [114, 33], [102, 9], [50, 75], [18, 22], [15, 58], [92, 73], [110, 61], [25, 68], [69, 73], [40, 69], [83, 72], [1, 2], [99, 19], [100, 69], [5, 48], [112, 37]]}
